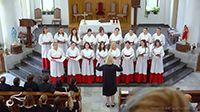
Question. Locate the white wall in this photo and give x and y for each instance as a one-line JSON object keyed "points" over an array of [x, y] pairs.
{"points": [[189, 14], [10, 13], [163, 17]]}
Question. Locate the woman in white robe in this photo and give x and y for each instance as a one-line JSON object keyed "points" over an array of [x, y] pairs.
{"points": [[116, 37], [62, 38], [73, 69], [102, 53], [156, 72], [128, 56], [115, 53], [141, 64], [56, 57], [132, 38], [87, 64], [74, 37], [45, 40], [158, 35], [102, 37]]}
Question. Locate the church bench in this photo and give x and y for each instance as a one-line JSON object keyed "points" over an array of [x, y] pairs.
{"points": [[195, 95], [36, 95]]}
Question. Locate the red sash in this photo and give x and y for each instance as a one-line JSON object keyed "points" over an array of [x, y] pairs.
{"points": [[73, 57], [91, 43], [56, 57], [89, 59], [114, 57], [147, 41], [127, 55], [131, 42], [60, 41]]}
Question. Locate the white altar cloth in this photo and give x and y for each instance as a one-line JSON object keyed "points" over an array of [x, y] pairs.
{"points": [[95, 24]]}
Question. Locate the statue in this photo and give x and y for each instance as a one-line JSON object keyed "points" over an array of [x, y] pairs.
{"points": [[14, 35], [185, 33]]}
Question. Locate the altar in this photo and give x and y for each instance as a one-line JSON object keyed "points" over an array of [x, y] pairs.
{"points": [[95, 24]]}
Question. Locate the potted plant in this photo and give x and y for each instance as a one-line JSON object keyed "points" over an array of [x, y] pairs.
{"points": [[48, 11], [43, 12], [146, 13], [155, 10], [52, 10], [1, 48]]}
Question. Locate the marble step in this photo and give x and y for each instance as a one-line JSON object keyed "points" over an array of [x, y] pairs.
{"points": [[21, 74], [168, 57], [36, 57], [174, 70], [180, 75], [168, 65], [33, 63]]}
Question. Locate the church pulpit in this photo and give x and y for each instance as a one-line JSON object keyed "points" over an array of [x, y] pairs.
{"points": [[28, 23]]}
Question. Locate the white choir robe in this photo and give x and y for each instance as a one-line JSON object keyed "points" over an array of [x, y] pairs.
{"points": [[87, 66], [63, 46], [103, 54], [127, 64], [132, 39], [117, 39], [141, 65], [146, 37], [56, 68], [156, 72], [78, 42], [103, 38], [116, 56], [43, 40], [73, 69], [161, 38], [91, 39]]}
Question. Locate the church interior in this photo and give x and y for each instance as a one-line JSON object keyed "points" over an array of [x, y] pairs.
{"points": [[21, 54]]}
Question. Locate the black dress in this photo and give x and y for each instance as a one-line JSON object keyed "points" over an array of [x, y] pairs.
{"points": [[60, 89], [32, 109], [76, 107], [109, 78], [4, 87], [17, 88], [33, 86], [73, 88], [60, 110], [44, 108], [46, 87], [4, 108]]}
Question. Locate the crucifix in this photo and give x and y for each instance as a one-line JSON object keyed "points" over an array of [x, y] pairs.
{"points": [[84, 22]]}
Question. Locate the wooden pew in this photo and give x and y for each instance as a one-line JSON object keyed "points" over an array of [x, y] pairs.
{"points": [[36, 95], [195, 95], [123, 95]]}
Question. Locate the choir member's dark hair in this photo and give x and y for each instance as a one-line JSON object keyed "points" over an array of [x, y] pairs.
{"points": [[159, 28], [3, 79], [29, 100], [104, 47], [44, 27], [117, 28], [59, 83], [158, 42], [57, 104], [72, 82], [16, 81], [73, 34], [131, 29], [146, 28], [72, 42], [145, 44], [30, 78], [88, 44], [59, 32], [1, 101], [100, 29], [127, 42], [89, 30], [45, 78]]}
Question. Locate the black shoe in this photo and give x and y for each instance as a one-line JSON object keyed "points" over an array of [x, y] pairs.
{"points": [[107, 105], [113, 105]]}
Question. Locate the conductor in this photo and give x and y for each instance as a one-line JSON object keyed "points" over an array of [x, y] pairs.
{"points": [[109, 79]]}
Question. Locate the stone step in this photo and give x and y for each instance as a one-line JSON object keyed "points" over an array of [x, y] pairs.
{"points": [[16, 72], [33, 63], [178, 76], [170, 64], [36, 57], [168, 57]]}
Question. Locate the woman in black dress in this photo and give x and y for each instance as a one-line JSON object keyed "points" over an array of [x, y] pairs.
{"points": [[3, 107], [58, 107], [72, 85], [59, 85], [72, 105], [30, 85], [28, 104], [109, 78], [16, 86], [43, 106]]}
